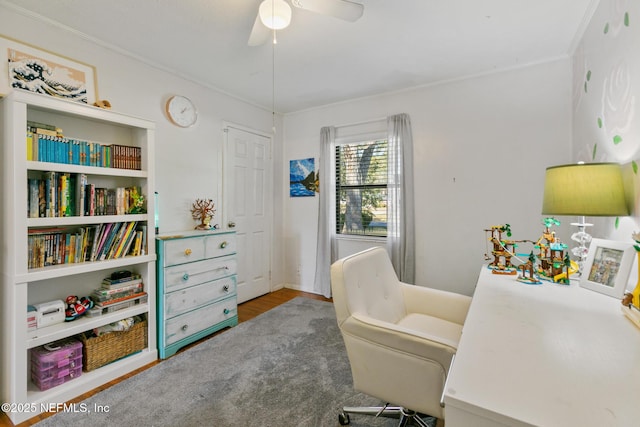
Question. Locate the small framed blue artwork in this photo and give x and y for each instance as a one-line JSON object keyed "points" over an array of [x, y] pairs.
{"points": [[303, 180]]}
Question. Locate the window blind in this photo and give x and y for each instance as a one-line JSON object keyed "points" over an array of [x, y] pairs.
{"points": [[361, 188]]}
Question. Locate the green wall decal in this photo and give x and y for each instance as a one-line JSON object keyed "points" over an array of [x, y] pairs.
{"points": [[595, 148], [617, 139], [588, 78], [606, 28], [634, 166], [626, 19], [599, 123], [617, 222]]}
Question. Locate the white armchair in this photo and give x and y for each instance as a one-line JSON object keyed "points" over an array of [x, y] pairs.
{"points": [[400, 338]]}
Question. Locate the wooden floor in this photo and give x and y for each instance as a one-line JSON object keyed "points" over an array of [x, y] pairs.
{"points": [[246, 311]]}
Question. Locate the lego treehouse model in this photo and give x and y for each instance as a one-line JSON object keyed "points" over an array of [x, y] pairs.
{"points": [[550, 261]]}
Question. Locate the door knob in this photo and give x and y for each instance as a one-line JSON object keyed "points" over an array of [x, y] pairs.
{"points": [[231, 224]]}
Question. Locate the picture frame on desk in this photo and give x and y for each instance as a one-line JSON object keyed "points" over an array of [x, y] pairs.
{"points": [[608, 267], [27, 67]]}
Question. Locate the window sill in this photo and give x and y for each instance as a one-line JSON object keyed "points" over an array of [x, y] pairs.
{"points": [[347, 237]]}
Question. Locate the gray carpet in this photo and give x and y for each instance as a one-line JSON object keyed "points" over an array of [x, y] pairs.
{"points": [[286, 367]]}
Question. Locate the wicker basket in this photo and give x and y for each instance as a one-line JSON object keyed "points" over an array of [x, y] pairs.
{"points": [[98, 351]]}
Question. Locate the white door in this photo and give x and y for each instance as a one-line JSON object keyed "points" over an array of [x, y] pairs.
{"points": [[247, 207]]}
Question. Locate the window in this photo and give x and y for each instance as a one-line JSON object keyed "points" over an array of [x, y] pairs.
{"points": [[361, 188]]}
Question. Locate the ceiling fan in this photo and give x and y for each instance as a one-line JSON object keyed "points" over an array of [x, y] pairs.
{"points": [[276, 15]]}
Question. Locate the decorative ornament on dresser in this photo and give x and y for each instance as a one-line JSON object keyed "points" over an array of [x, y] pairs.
{"points": [[203, 210]]}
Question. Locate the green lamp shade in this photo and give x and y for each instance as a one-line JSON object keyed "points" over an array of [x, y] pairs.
{"points": [[590, 189]]}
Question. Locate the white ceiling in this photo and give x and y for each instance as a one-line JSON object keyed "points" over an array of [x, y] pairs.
{"points": [[397, 44]]}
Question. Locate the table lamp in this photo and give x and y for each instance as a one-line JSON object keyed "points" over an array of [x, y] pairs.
{"points": [[586, 189]]}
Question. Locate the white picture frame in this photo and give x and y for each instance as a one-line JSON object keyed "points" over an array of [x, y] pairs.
{"points": [[608, 267], [61, 77]]}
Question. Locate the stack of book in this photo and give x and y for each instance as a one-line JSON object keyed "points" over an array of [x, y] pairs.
{"points": [[117, 294], [63, 194], [46, 143]]}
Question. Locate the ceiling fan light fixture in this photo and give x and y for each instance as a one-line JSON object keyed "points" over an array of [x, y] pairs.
{"points": [[275, 14]]}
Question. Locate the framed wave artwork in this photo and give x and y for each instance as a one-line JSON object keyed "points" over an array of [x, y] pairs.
{"points": [[25, 67]]}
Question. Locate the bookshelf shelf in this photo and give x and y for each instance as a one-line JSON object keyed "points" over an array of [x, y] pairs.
{"points": [[62, 270], [51, 333], [83, 220], [89, 170], [70, 271]]}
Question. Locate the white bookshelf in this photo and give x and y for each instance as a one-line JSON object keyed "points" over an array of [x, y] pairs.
{"points": [[21, 286]]}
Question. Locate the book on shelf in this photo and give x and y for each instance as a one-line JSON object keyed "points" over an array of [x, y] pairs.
{"points": [[137, 244], [81, 193], [108, 284], [143, 249], [114, 301], [34, 198], [125, 241], [62, 194], [132, 285], [104, 232], [142, 299], [55, 246], [47, 144], [52, 246], [110, 246], [108, 242], [103, 295], [90, 200]]}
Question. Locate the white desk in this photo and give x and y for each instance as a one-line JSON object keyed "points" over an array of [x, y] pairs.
{"points": [[544, 355]]}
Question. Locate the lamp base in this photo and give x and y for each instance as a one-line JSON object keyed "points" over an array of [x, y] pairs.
{"points": [[582, 237]]}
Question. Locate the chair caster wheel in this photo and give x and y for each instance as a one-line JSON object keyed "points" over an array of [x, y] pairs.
{"points": [[343, 419]]}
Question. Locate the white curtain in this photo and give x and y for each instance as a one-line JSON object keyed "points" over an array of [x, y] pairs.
{"points": [[326, 247], [400, 203]]}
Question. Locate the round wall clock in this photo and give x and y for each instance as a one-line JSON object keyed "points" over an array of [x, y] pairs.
{"points": [[181, 111]]}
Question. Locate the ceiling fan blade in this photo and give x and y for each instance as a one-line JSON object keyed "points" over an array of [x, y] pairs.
{"points": [[259, 33], [342, 9]]}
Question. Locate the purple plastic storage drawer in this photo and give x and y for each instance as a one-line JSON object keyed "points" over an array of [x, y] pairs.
{"points": [[56, 377], [55, 371], [56, 354]]}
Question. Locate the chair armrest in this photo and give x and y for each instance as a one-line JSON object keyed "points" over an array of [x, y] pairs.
{"points": [[401, 339], [435, 302]]}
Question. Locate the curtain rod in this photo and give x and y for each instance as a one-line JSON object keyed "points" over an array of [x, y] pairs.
{"points": [[346, 125]]}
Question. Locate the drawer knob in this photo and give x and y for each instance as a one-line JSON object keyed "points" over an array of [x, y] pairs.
{"points": [[226, 288], [223, 245], [185, 276], [226, 311], [185, 327], [187, 252]]}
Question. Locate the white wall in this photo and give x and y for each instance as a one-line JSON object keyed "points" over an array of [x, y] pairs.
{"points": [[481, 146], [606, 85], [188, 161]]}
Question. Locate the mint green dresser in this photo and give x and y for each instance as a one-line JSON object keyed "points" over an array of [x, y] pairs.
{"points": [[196, 287]]}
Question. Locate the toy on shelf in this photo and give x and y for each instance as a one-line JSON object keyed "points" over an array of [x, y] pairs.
{"points": [[555, 265], [528, 269], [503, 250], [76, 307]]}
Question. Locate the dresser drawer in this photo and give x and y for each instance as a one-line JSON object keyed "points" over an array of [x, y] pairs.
{"points": [[182, 251], [196, 296], [219, 245], [195, 321], [181, 276]]}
